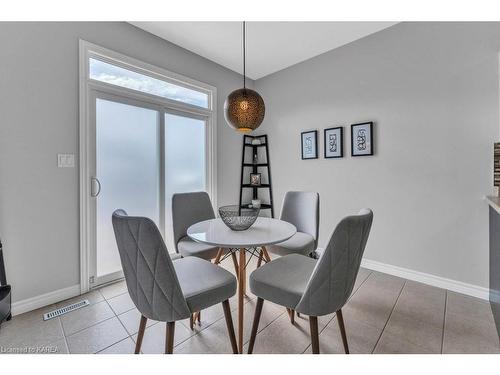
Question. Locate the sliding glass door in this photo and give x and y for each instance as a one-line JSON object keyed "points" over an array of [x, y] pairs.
{"points": [[127, 165], [143, 155], [145, 134]]}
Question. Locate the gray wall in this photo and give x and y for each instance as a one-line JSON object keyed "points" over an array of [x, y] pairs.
{"points": [[432, 91], [39, 213]]}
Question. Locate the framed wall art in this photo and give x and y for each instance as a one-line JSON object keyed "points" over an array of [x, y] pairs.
{"points": [[362, 139], [334, 142], [309, 144]]}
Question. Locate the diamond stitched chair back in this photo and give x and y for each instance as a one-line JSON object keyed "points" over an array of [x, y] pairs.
{"points": [[149, 272], [163, 289], [333, 278], [315, 287]]}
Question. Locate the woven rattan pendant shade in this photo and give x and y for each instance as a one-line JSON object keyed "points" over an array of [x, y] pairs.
{"points": [[244, 109]]}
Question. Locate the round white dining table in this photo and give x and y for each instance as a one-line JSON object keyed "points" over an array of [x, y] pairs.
{"points": [[265, 231]]}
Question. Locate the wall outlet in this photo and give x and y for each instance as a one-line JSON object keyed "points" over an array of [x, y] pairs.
{"points": [[65, 160]]}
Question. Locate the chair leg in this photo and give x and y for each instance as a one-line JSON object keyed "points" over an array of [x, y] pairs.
{"points": [[267, 258], [255, 326], [218, 256], [298, 315], [230, 327], [313, 326], [235, 263], [191, 321], [199, 317], [292, 315], [140, 335], [169, 340], [340, 319], [261, 256]]}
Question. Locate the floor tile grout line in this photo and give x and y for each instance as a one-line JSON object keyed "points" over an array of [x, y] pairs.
{"points": [[64, 333], [444, 319], [211, 324], [119, 341], [387, 321], [115, 316], [99, 322], [93, 325], [218, 320], [262, 330]]}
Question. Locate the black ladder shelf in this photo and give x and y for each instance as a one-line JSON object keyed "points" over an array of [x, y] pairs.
{"points": [[248, 167]]}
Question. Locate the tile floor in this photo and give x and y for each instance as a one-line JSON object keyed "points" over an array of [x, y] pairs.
{"points": [[385, 314]]}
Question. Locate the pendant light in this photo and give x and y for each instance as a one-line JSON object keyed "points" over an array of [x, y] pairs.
{"points": [[244, 108]]}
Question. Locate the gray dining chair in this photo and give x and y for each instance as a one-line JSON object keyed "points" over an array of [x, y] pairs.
{"points": [[300, 208], [163, 289], [315, 287], [188, 209]]}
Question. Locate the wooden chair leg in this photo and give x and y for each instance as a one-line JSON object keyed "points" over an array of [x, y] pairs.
{"points": [[218, 256], [340, 319], [261, 256], [267, 258], [230, 326], [169, 340], [291, 313], [235, 263], [199, 317], [140, 335], [255, 326], [313, 326]]}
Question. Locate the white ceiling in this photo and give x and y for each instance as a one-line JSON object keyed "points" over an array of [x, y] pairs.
{"points": [[271, 46]]}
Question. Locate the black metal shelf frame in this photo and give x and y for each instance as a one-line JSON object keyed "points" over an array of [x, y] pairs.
{"points": [[247, 143]]}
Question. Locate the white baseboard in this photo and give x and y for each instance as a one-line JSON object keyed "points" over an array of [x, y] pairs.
{"points": [[425, 278], [34, 303]]}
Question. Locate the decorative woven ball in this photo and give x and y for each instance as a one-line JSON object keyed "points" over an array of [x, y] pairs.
{"points": [[244, 110]]}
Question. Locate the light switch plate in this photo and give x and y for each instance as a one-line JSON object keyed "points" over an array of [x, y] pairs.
{"points": [[65, 160]]}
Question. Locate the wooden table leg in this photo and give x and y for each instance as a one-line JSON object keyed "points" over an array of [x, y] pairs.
{"points": [[241, 297]]}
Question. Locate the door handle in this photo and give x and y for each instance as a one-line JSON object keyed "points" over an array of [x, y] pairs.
{"points": [[95, 182]]}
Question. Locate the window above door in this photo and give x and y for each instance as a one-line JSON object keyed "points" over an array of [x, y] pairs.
{"points": [[116, 75]]}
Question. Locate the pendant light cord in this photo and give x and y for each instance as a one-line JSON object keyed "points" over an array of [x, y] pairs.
{"points": [[244, 57]]}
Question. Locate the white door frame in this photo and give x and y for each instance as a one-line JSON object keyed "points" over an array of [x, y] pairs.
{"points": [[90, 89]]}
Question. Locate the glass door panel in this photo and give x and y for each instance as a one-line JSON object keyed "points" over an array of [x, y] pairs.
{"points": [[185, 161], [128, 171]]}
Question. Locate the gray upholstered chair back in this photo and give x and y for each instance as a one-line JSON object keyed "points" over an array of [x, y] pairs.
{"points": [[188, 209], [149, 273], [333, 278], [301, 208]]}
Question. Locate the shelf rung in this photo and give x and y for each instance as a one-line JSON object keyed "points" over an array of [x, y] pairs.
{"points": [[257, 186], [251, 145], [256, 165]]}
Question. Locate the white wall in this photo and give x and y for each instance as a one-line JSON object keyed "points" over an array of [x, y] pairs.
{"points": [[432, 91], [39, 118]]}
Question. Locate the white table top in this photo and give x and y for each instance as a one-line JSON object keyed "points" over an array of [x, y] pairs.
{"points": [[265, 231]]}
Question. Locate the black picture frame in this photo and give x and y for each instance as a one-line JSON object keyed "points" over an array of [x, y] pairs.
{"points": [[315, 144], [257, 176], [369, 144], [340, 143]]}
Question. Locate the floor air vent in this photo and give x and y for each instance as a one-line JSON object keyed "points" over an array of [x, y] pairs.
{"points": [[65, 309]]}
